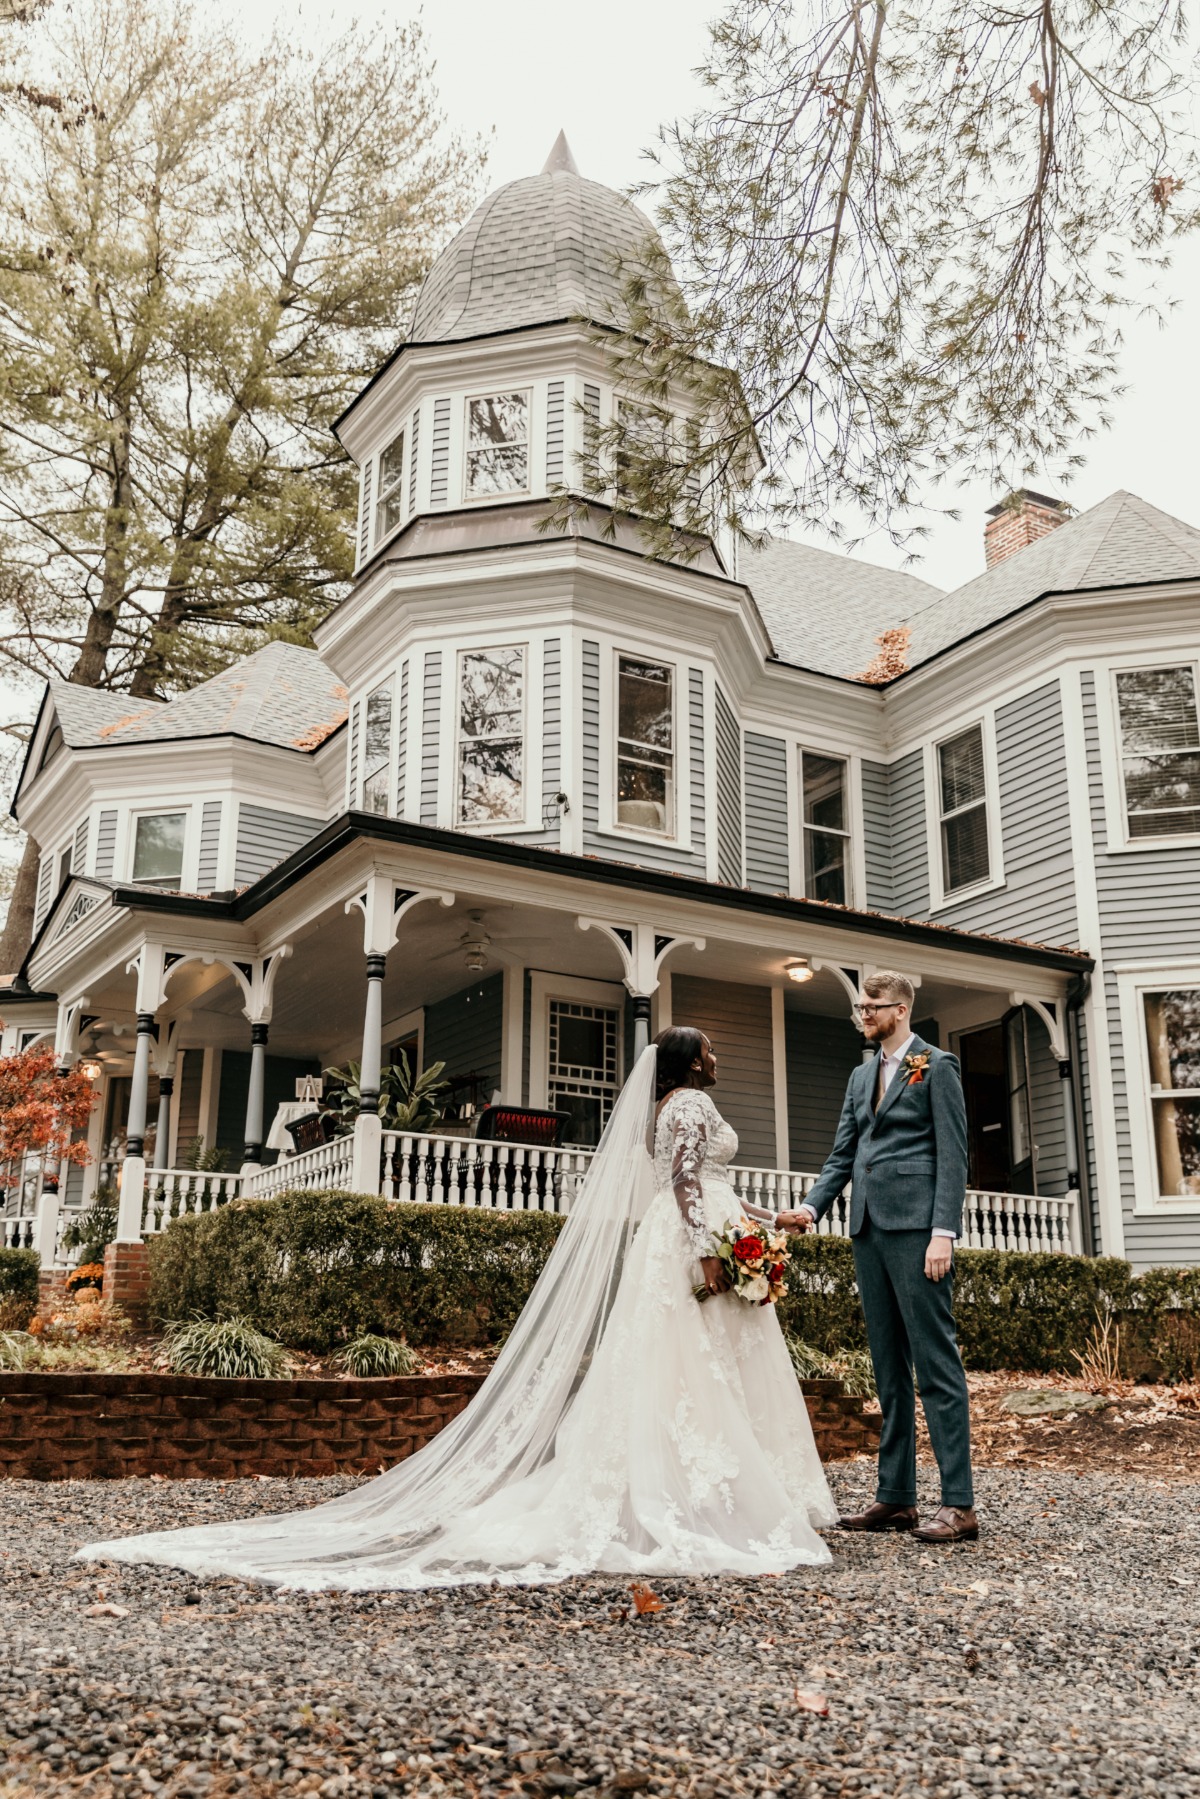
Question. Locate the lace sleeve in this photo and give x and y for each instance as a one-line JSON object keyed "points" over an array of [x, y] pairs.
{"points": [[689, 1147]]}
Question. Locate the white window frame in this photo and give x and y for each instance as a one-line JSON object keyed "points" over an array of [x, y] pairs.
{"points": [[188, 876], [939, 899], [542, 989], [531, 761], [378, 535], [799, 749], [1108, 718], [390, 809], [1133, 981], [510, 493], [610, 659]]}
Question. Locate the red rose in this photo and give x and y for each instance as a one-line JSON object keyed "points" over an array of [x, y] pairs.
{"points": [[775, 1273], [748, 1249]]}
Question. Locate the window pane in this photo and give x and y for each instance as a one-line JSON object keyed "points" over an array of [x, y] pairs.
{"points": [[965, 849], [583, 1047], [502, 419], [391, 464], [378, 745], [389, 513], [644, 703], [1158, 709], [961, 762], [825, 866], [490, 790], [824, 791], [1177, 1146], [504, 470], [1162, 794], [645, 797], [1173, 1037], [158, 849], [491, 692], [375, 792]]}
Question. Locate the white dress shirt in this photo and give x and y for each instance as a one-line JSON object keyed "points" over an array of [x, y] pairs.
{"points": [[888, 1069]]}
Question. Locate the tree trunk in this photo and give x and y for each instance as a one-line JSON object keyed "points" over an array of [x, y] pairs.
{"points": [[18, 926]]}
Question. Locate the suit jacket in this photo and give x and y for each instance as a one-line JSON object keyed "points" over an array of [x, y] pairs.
{"points": [[908, 1159]]}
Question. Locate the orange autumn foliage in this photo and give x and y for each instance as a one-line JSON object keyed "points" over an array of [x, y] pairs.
{"points": [[42, 1109]]}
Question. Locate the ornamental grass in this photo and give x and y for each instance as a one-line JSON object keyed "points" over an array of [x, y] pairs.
{"points": [[225, 1348], [373, 1355]]}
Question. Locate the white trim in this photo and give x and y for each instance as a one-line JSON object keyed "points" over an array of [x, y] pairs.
{"points": [[611, 652], [189, 870], [210, 1096], [939, 899], [512, 1033], [661, 1004], [404, 1024], [783, 1145], [1119, 842], [544, 988], [1132, 984], [853, 834]]}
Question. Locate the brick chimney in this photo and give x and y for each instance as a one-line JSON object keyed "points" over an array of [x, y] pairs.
{"points": [[1019, 520]]}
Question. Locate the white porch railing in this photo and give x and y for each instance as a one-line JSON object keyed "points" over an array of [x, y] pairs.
{"points": [[182, 1192], [328, 1165]]}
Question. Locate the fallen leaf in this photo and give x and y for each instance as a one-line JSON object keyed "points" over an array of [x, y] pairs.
{"points": [[767, 1643], [811, 1702], [644, 1600], [979, 1586], [106, 1611]]}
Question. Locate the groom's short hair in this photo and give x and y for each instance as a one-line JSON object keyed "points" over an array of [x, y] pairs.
{"points": [[894, 987]]}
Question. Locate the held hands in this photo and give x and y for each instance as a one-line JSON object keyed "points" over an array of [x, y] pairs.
{"points": [[797, 1222], [939, 1258]]}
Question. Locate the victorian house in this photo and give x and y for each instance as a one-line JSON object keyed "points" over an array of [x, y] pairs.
{"points": [[535, 795]]}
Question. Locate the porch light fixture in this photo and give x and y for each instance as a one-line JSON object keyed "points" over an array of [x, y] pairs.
{"points": [[799, 970], [91, 1071]]}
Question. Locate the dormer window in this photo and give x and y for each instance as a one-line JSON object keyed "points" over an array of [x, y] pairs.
{"points": [[491, 737], [158, 849], [497, 445], [389, 506]]}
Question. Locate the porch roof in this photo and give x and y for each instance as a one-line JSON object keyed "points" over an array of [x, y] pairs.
{"points": [[354, 827]]}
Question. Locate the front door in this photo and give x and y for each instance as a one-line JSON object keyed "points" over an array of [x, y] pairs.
{"points": [[995, 1074]]}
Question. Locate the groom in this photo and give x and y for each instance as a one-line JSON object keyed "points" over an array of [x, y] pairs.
{"points": [[903, 1137]]}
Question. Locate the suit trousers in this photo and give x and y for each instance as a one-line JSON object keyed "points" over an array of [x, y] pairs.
{"points": [[910, 1322]]}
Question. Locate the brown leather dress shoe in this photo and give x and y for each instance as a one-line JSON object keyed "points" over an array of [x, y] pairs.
{"points": [[949, 1524], [881, 1517]]}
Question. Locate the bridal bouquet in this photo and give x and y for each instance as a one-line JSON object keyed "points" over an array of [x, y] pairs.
{"points": [[755, 1259]]}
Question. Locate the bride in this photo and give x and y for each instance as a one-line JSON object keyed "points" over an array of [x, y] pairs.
{"points": [[624, 1429]]}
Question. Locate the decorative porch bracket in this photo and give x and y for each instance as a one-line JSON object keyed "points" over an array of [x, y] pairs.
{"points": [[643, 951], [384, 904], [1053, 1016]]}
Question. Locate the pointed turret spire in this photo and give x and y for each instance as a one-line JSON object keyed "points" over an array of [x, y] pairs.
{"points": [[560, 158]]}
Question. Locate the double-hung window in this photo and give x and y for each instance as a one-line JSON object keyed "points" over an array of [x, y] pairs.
{"points": [[1172, 1023], [497, 445], [1160, 750], [389, 502], [158, 839], [377, 751], [490, 764], [645, 745], [826, 827], [962, 810]]}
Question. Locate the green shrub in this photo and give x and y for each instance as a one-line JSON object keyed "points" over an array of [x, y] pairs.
{"points": [[316, 1270], [19, 1277], [227, 1347], [371, 1355]]}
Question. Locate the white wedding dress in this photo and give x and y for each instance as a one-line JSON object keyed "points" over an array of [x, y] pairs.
{"points": [[626, 1428]]}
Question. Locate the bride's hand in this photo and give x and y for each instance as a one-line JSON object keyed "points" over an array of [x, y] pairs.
{"points": [[715, 1277], [798, 1222]]}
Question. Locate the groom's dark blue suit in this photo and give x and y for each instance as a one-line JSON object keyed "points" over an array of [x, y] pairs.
{"points": [[907, 1157]]}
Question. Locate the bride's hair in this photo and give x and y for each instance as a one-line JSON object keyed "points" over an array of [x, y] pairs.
{"points": [[678, 1047]]}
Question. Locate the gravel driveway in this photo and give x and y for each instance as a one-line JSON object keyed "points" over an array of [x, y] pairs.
{"points": [[1058, 1656]]}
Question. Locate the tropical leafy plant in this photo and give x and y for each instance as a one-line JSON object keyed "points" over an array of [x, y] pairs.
{"points": [[231, 1348], [94, 1228], [405, 1103], [371, 1355]]}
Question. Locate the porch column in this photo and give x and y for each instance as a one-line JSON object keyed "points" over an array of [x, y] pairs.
{"points": [[368, 1131], [641, 1023], [133, 1169], [45, 1220], [255, 1092], [162, 1134]]}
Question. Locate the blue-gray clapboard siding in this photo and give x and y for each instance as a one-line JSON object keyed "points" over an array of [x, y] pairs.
{"points": [[364, 529], [1046, 1109], [414, 444], [729, 794], [106, 845], [555, 431], [591, 421], [265, 838], [439, 474], [354, 715], [430, 727], [79, 848], [647, 850], [42, 898], [877, 834], [766, 813], [210, 845], [1148, 912], [547, 695], [906, 809], [738, 1019], [188, 1081], [464, 1031], [402, 741], [1038, 896], [822, 1054]]}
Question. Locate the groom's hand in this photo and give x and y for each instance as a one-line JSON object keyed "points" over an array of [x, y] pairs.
{"points": [[795, 1221], [939, 1258]]}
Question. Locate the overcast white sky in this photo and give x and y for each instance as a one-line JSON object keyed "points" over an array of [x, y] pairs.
{"points": [[611, 75]]}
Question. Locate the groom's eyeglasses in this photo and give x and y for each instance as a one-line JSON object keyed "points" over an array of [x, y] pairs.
{"points": [[870, 1011]]}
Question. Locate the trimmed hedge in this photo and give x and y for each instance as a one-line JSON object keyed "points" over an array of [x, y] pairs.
{"points": [[316, 1270], [19, 1276]]}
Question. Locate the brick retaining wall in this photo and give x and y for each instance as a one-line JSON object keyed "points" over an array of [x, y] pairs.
{"points": [[107, 1426]]}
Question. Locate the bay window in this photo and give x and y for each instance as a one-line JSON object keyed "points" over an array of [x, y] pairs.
{"points": [[389, 503], [962, 810], [377, 751], [826, 826], [491, 737], [645, 745], [1172, 1024], [1160, 750], [158, 839], [497, 445]]}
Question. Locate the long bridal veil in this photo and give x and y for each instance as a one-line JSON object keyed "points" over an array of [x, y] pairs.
{"points": [[392, 1532]]}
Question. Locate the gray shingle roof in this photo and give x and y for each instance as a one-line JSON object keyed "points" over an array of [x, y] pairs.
{"points": [[543, 248], [282, 694], [823, 610]]}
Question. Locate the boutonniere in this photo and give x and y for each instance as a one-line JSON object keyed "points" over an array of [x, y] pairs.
{"points": [[914, 1066]]}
